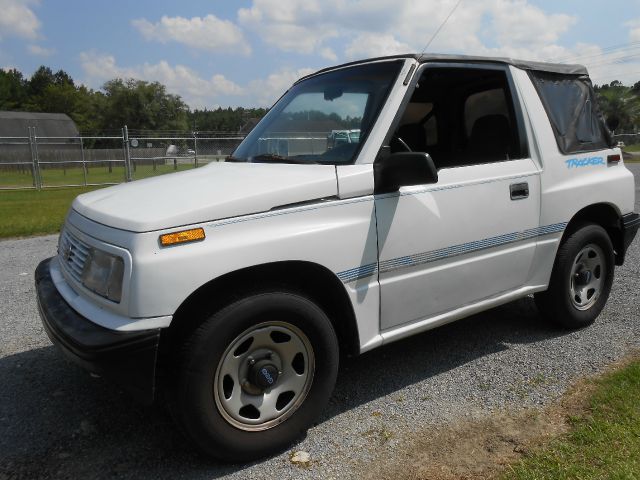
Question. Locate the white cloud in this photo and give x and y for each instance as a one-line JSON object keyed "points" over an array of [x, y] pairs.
{"points": [[371, 45], [196, 91], [522, 24], [607, 66], [459, 35], [634, 30], [18, 20], [266, 91], [381, 27], [40, 51], [329, 54], [511, 28], [290, 25], [339, 30], [205, 33], [225, 86]]}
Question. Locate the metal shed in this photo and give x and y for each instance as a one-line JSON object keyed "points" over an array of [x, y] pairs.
{"points": [[15, 124], [57, 131]]}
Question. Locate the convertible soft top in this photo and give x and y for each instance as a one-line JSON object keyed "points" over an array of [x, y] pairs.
{"points": [[559, 68]]}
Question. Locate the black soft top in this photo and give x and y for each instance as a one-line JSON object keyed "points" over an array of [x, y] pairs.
{"points": [[562, 68], [559, 68]]}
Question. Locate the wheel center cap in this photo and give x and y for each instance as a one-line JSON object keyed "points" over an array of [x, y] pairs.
{"points": [[583, 277], [263, 374]]}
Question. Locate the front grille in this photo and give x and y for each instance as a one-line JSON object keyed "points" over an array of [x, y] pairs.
{"points": [[72, 254]]}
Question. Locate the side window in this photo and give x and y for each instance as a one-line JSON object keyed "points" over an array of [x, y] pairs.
{"points": [[571, 106], [490, 134], [461, 116]]}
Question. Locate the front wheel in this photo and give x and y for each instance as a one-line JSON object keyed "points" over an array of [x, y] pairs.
{"points": [[581, 279], [255, 375]]}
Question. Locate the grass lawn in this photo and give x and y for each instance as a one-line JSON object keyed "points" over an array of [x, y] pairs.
{"points": [[632, 148], [31, 212], [603, 443], [75, 176]]}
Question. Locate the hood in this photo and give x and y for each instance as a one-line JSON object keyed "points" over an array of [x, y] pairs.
{"points": [[218, 190]]}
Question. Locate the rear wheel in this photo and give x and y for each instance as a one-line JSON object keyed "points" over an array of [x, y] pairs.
{"points": [[581, 279], [255, 375]]}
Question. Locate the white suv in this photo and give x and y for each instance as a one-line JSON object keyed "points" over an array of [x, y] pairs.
{"points": [[235, 287]]}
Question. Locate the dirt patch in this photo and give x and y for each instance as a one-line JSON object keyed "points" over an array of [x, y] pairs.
{"points": [[470, 449], [482, 449]]}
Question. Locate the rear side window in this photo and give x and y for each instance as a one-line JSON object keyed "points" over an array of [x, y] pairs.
{"points": [[570, 103]]}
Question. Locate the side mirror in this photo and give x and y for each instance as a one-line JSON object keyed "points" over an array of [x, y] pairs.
{"points": [[402, 169]]}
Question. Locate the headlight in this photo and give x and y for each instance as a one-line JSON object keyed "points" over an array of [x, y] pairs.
{"points": [[103, 274]]}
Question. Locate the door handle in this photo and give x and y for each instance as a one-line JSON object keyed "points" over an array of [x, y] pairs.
{"points": [[519, 191]]}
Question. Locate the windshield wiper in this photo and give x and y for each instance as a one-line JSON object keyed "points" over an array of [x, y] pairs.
{"points": [[273, 158], [231, 158]]}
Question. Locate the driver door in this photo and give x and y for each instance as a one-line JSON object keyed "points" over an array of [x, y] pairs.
{"points": [[472, 235]]}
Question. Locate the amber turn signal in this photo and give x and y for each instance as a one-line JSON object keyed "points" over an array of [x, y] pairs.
{"points": [[182, 237]]}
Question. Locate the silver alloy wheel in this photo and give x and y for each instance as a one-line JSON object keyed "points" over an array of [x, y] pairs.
{"points": [[587, 276], [264, 376]]}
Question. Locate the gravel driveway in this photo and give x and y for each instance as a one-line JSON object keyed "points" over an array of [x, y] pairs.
{"points": [[58, 422]]}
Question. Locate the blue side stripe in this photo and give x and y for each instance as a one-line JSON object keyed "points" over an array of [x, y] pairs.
{"points": [[415, 259], [358, 272]]}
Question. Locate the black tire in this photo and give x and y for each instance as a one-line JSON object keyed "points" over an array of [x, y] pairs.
{"points": [[193, 400], [559, 302]]}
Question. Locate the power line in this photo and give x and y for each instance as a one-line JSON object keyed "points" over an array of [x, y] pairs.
{"points": [[605, 51], [615, 61], [632, 75], [605, 55], [435, 34]]}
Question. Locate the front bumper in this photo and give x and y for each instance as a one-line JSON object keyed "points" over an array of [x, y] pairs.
{"points": [[128, 358], [630, 224]]}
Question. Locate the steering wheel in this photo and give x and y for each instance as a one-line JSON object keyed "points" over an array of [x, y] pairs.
{"points": [[400, 142]]}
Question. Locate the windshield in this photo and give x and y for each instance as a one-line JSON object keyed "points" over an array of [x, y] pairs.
{"points": [[323, 119]]}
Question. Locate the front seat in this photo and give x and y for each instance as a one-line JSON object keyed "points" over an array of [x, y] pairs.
{"points": [[490, 138]]}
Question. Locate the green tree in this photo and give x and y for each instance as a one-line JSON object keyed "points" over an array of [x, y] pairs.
{"points": [[58, 99], [88, 110], [50, 92], [138, 104], [38, 83], [223, 119], [13, 91], [142, 105], [620, 106], [83, 105], [63, 78]]}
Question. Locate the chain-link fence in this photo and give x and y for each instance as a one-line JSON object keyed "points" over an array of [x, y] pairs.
{"points": [[36, 162], [627, 138]]}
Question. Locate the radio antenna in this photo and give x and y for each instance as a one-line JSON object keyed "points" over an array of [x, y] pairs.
{"points": [[435, 34]]}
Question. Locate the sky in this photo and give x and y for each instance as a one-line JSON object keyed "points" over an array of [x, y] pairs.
{"points": [[248, 52]]}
